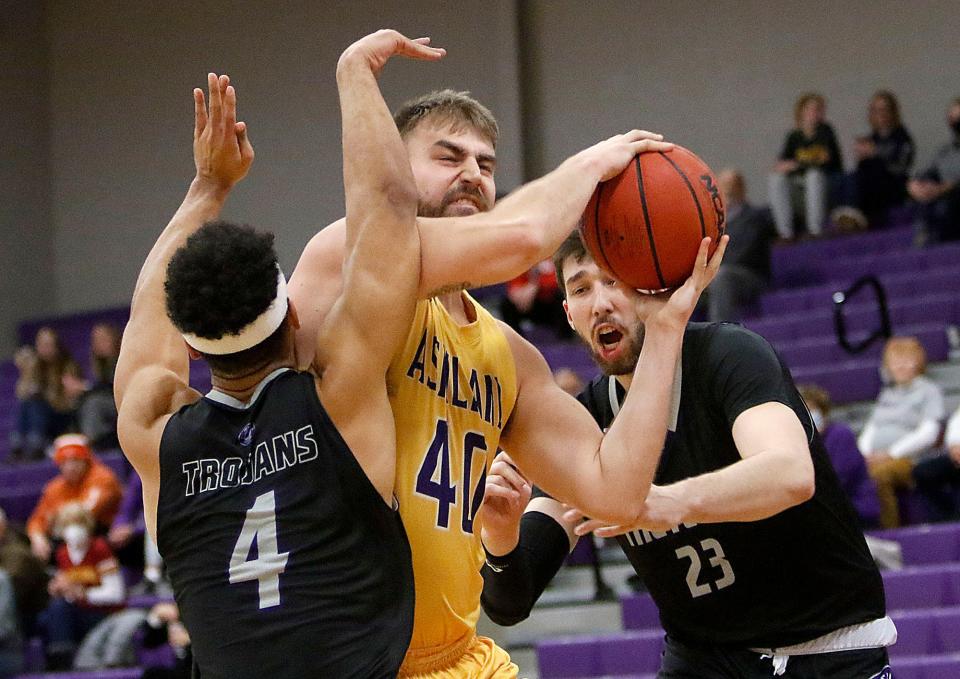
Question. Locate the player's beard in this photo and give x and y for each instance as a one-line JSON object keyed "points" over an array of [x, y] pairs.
{"points": [[626, 362], [459, 191]]}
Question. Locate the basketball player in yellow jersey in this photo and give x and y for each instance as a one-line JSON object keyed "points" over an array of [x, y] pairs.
{"points": [[453, 387], [465, 383]]}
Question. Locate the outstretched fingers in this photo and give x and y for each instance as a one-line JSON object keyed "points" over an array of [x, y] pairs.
{"points": [[229, 108], [419, 48], [243, 141], [199, 113], [215, 114]]}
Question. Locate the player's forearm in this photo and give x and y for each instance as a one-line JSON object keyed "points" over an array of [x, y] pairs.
{"points": [[524, 228], [378, 182], [630, 451], [381, 194], [752, 489], [517, 579], [552, 205]]}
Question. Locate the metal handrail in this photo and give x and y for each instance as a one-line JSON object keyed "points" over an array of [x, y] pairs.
{"points": [[840, 299]]}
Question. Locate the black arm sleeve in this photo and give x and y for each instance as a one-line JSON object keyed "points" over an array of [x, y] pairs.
{"points": [[509, 595]]}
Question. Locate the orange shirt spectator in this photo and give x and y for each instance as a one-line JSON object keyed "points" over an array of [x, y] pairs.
{"points": [[82, 479]]}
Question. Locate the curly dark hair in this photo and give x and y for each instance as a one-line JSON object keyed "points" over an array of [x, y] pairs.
{"points": [[220, 281]]}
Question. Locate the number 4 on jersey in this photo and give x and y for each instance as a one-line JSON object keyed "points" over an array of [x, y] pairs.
{"points": [[260, 525], [437, 458]]}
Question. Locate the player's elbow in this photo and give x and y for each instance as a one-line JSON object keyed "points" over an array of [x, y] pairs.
{"points": [[506, 616], [527, 242], [800, 483]]}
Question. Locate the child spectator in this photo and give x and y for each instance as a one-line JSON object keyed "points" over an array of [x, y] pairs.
{"points": [[86, 588], [904, 424], [810, 158], [82, 479], [841, 445], [44, 409]]}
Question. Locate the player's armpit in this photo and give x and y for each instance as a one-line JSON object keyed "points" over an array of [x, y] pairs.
{"points": [[153, 395], [315, 285]]}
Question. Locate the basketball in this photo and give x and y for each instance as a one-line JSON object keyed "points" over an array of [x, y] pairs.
{"points": [[645, 225]]}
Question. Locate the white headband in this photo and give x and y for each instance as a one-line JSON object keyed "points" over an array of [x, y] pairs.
{"points": [[250, 335]]}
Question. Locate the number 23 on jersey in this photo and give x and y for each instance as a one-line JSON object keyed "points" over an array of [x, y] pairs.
{"points": [[439, 479]]}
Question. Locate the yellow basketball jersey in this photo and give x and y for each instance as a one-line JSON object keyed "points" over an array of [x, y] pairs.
{"points": [[452, 388]]}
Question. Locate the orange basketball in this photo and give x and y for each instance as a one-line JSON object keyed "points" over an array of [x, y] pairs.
{"points": [[645, 225]]}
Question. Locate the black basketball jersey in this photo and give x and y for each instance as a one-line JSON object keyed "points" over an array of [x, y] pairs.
{"points": [[284, 559], [783, 580]]}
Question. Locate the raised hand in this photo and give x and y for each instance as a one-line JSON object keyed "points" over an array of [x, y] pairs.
{"points": [[505, 498], [612, 155], [221, 148], [375, 50], [683, 301]]}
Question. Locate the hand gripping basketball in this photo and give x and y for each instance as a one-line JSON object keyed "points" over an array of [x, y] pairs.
{"points": [[644, 225]]}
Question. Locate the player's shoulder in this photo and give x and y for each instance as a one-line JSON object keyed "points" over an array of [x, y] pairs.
{"points": [[724, 338], [716, 349]]}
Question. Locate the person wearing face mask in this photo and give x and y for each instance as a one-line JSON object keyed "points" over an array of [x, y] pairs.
{"points": [[841, 445], [86, 588], [904, 424], [937, 188], [84, 479]]}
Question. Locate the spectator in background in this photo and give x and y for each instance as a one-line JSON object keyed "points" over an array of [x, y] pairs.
{"points": [[884, 159], [130, 541], [809, 160], [937, 188], [904, 424], [11, 643], [163, 626], [84, 479], [26, 572], [534, 297], [85, 589], [44, 409], [96, 410], [569, 380], [745, 271], [937, 478], [841, 445]]}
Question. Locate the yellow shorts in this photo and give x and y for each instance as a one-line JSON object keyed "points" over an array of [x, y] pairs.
{"points": [[481, 659]]}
